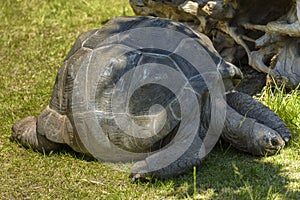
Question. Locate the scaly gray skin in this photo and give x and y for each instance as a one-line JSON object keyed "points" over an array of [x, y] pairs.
{"points": [[252, 108], [56, 125]]}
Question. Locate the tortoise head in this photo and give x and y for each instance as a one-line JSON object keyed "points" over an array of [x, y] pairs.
{"points": [[231, 74], [265, 141]]}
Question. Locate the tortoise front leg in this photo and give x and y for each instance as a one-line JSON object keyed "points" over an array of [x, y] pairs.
{"points": [[252, 108]]}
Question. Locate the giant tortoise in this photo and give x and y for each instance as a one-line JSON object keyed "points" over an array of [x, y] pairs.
{"points": [[154, 91]]}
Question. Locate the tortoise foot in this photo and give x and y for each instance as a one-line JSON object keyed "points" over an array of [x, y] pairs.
{"points": [[140, 171], [24, 132], [139, 177]]}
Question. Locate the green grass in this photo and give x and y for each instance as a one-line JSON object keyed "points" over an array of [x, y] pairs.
{"points": [[35, 37], [284, 104]]}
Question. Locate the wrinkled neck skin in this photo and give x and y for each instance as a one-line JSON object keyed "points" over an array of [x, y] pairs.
{"points": [[252, 127]]}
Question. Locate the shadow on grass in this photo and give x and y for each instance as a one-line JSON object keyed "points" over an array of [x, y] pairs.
{"points": [[235, 175], [225, 174]]}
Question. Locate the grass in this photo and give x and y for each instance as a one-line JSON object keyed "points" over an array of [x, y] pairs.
{"points": [[284, 104], [35, 38]]}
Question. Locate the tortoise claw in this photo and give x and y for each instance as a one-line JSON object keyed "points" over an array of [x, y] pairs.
{"points": [[287, 138], [142, 177]]}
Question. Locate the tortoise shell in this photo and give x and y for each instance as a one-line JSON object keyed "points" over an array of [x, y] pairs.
{"points": [[128, 80]]}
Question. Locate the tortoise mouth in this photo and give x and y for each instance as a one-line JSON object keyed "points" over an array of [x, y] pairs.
{"points": [[272, 143], [272, 150]]}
